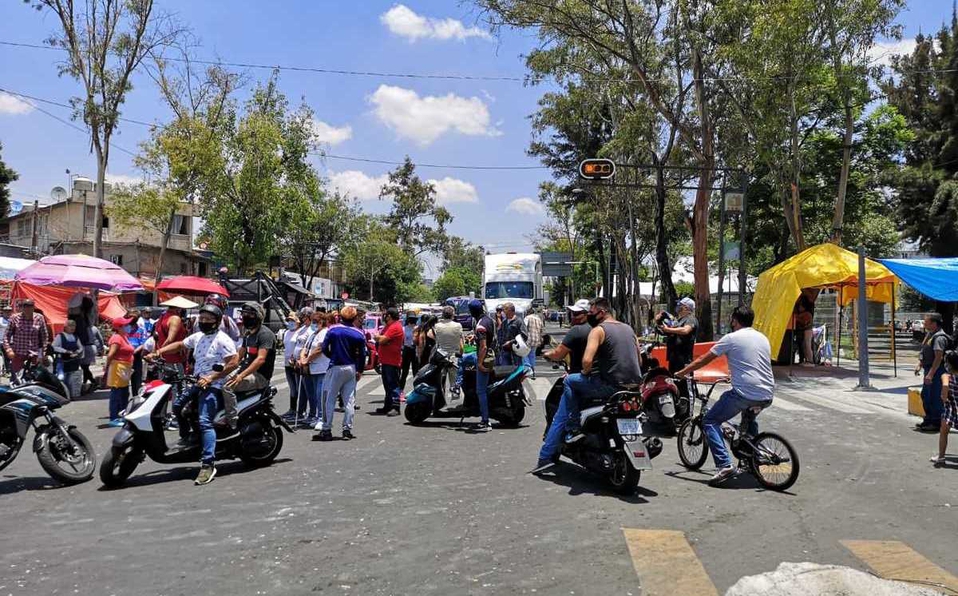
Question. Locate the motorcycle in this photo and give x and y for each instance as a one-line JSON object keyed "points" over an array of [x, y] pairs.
{"points": [[612, 444], [62, 450], [257, 440], [507, 398]]}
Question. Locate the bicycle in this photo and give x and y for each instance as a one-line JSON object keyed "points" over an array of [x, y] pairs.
{"points": [[767, 456]]}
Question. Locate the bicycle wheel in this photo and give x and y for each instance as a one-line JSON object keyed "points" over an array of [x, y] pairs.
{"points": [[693, 448], [774, 462]]}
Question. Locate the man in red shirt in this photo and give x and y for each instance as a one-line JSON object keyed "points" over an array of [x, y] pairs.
{"points": [[390, 359]]}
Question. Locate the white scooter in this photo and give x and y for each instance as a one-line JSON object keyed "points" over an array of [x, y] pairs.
{"points": [[257, 440]]}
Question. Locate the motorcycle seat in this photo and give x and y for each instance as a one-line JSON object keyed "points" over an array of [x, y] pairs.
{"points": [[244, 401], [588, 413]]}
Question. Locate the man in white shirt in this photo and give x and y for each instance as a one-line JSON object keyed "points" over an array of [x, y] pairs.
{"points": [[753, 383]]}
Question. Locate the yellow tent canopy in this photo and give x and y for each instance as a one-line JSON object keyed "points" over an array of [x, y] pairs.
{"points": [[821, 267]]}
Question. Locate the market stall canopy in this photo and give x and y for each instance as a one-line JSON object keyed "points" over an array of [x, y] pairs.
{"points": [[10, 266], [825, 266], [79, 271], [55, 300], [189, 284], [935, 278]]}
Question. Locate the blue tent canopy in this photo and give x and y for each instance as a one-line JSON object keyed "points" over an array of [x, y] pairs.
{"points": [[935, 278]]}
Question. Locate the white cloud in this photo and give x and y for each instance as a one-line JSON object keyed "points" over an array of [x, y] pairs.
{"points": [[526, 206], [882, 52], [425, 119], [332, 135], [356, 184], [12, 105], [402, 21], [123, 179], [452, 190]]}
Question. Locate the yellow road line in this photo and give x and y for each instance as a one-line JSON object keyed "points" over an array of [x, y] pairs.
{"points": [[892, 559], [666, 564]]}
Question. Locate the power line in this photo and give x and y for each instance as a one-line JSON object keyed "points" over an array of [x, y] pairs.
{"points": [[430, 165], [65, 105]]}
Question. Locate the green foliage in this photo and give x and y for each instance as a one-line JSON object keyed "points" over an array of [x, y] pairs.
{"points": [[376, 268], [7, 175], [458, 281], [418, 220]]}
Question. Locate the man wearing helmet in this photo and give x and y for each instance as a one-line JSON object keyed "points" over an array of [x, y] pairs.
{"points": [[227, 324], [210, 346], [257, 357]]}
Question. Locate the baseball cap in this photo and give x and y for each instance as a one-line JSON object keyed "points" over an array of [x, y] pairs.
{"points": [[581, 305], [686, 302], [119, 322]]}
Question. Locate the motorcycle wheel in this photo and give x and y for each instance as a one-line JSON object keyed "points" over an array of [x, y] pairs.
{"points": [[118, 464], [693, 448], [274, 436], [57, 460], [12, 451], [416, 413], [623, 478]]}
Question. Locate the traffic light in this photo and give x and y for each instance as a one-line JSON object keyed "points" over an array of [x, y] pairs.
{"points": [[597, 169]]}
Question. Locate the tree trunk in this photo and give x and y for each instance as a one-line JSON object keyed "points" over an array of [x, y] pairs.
{"points": [[603, 267], [839, 220], [100, 202], [662, 240], [700, 211], [796, 174], [163, 246]]}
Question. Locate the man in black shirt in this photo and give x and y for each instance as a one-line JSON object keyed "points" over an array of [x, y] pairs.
{"points": [[575, 340], [680, 340], [257, 357]]}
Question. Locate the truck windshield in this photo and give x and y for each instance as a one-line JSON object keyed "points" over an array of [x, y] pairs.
{"points": [[509, 289]]}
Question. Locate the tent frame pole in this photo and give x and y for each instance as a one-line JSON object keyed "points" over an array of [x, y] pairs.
{"points": [[894, 351], [841, 319]]}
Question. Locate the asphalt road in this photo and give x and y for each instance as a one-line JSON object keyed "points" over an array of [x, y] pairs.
{"points": [[439, 509]]}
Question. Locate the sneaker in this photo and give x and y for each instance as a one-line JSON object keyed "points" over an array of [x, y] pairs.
{"points": [[721, 475], [206, 475], [541, 466], [115, 422], [290, 415], [393, 412], [937, 459], [323, 435], [382, 411], [484, 427], [347, 435], [928, 428], [573, 435]]}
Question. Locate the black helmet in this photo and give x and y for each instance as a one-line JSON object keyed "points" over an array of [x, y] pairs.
{"points": [[217, 300], [213, 310]]}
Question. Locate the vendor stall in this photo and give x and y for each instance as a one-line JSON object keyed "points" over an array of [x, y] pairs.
{"points": [[935, 278], [825, 266], [55, 301]]}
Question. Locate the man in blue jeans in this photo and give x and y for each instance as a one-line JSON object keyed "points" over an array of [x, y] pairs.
{"points": [[485, 340], [931, 365], [753, 384]]}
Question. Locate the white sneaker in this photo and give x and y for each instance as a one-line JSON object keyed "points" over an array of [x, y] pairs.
{"points": [[484, 427], [721, 475], [937, 459]]}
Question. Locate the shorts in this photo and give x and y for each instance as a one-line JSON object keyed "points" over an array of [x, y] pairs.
{"points": [[950, 413]]}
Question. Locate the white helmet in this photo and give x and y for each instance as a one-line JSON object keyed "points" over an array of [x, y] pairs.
{"points": [[520, 348]]}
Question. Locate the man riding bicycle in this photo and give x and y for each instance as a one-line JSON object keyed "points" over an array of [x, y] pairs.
{"points": [[611, 349], [750, 364]]}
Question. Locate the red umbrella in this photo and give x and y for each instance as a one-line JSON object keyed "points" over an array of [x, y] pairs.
{"points": [[189, 284]]}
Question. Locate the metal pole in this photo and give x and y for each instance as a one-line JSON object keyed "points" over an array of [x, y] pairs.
{"points": [[841, 319], [721, 265], [894, 351], [741, 246], [863, 381]]}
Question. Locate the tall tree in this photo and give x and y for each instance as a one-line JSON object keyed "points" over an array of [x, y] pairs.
{"points": [[105, 41], [7, 175], [418, 220], [317, 226]]}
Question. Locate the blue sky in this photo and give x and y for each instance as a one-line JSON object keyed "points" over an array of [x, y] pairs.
{"points": [[434, 121]]}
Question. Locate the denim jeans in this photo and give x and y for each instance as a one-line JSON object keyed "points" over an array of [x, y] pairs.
{"points": [[313, 389], [468, 359], [120, 396], [727, 407], [482, 392], [931, 397], [210, 402], [339, 379], [390, 377], [530, 360], [576, 389]]}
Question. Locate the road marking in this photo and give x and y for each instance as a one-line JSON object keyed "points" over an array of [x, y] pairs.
{"points": [[666, 563], [894, 560], [832, 404]]}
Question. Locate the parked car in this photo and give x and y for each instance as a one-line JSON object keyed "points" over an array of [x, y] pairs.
{"points": [[461, 304]]}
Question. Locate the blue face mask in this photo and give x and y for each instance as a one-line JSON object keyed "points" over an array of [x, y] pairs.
{"points": [[290, 325], [314, 327]]}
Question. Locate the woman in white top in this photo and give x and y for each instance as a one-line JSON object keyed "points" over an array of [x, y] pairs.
{"points": [[314, 365], [295, 327]]}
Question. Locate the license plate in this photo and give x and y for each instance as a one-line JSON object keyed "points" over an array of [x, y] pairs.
{"points": [[629, 426]]}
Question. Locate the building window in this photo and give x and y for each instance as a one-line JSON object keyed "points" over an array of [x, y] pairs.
{"points": [[116, 259], [106, 223], [23, 226], [182, 268], [201, 269], [181, 225]]}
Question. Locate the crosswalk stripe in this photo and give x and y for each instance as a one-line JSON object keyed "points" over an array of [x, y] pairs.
{"points": [[832, 404], [894, 560], [666, 564]]}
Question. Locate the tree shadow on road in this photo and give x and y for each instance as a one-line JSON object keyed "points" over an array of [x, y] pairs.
{"points": [[185, 472], [17, 484], [581, 482]]}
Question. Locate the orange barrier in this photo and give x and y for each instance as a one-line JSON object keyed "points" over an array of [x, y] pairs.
{"points": [[711, 373]]}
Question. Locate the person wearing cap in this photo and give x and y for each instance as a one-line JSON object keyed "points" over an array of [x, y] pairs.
{"points": [[119, 367], [26, 336], [345, 346], [5, 314], [680, 336], [170, 329], [257, 358], [575, 340]]}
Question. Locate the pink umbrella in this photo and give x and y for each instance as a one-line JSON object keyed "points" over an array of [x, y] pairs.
{"points": [[79, 271]]}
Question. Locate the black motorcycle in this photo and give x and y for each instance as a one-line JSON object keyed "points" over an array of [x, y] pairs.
{"points": [[507, 398], [62, 450]]}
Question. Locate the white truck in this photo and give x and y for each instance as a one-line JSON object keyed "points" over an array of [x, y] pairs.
{"points": [[512, 277]]}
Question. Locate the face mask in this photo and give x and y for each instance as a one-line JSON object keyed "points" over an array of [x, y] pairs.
{"points": [[207, 327], [290, 325], [593, 319], [314, 327], [249, 321]]}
